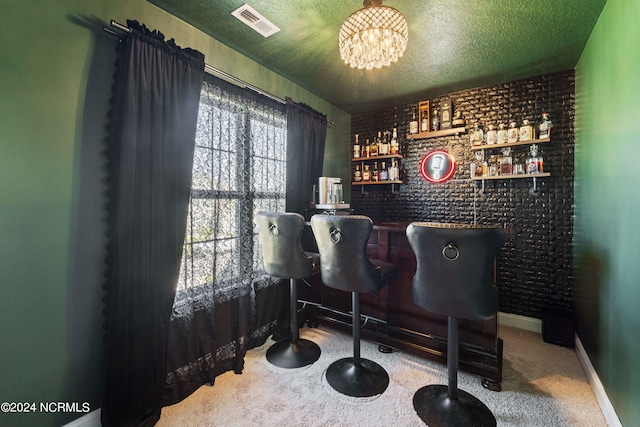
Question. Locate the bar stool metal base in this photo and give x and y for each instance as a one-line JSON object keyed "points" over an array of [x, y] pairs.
{"points": [[288, 355], [437, 409], [364, 380]]}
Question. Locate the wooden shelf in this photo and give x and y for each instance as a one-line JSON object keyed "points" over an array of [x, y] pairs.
{"points": [[522, 175], [375, 182], [436, 134], [508, 144], [374, 158]]}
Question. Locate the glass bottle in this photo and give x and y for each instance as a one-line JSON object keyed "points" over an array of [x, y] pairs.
{"points": [[492, 135], [393, 171], [476, 166], [366, 173], [512, 133], [413, 125], [384, 148], [384, 173], [357, 174], [435, 121], [505, 162], [503, 135], [395, 148], [535, 163], [545, 126], [373, 149], [374, 175], [367, 149], [356, 148], [526, 131], [477, 135]]}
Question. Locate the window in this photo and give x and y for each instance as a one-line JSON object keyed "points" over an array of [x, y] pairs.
{"points": [[238, 170]]}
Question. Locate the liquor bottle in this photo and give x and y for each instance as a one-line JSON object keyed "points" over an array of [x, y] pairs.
{"points": [[526, 131], [384, 173], [435, 121], [413, 125], [393, 174], [512, 133], [366, 173], [357, 174], [424, 124], [535, 164], [545, 126], [384, 148], [476, 166], [379, 141], [373, 150], [492, 135], [505, 162], [367, 149], [375, 176], [356, 148], [395, 148], [503, 135], [477, 135]]}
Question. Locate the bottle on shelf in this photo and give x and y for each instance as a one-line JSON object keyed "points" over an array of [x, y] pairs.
{"points": [[373, 149], [367, 149], [384, 148], [526, 131], [535, 163], [413, 125], [366, 173], [545, 126], [476, 166], [476, 136], [393, 171], [384, 173], [435, 121], [503, 135], [357, 174], [356, 148], [395, 148], [492, 135], [424, 124], [512, 133], [505, 162], [375, 175]]}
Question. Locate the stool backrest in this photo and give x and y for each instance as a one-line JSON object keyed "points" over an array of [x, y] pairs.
{"points": [[454, 269], [280, 239], [342, 243]]}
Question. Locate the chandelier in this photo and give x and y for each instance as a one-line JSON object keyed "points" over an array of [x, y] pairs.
{"points": [[373, 36]]}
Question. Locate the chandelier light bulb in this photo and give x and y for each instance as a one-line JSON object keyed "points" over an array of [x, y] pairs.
{"points": [[373, 37]]}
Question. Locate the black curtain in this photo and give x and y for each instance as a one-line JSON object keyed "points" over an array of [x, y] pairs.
{"points": [[152, 130], [306, 135]]}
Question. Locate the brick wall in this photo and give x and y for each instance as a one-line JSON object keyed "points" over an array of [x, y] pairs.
{"points": [[535, 265]]}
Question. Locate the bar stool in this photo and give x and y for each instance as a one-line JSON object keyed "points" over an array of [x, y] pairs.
{"points": [[453, 279], [283, 256], [344, 265]]}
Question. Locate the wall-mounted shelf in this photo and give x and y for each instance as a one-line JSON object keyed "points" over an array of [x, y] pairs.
{"points": [[436, 134], [375, 158], [375, 182], [508, 144], [522, 175]]}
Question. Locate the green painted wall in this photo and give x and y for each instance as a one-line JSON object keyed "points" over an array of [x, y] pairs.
{"points": [[607, 199], [55, 66]]}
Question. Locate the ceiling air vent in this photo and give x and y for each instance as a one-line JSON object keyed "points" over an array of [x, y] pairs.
{"points": [[253, 19]]}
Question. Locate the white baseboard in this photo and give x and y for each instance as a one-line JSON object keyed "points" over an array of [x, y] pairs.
{"points": [[598, 389], [518, 321], [92, 419]]}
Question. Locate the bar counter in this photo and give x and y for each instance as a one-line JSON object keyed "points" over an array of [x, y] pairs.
{"points": [[396, 322]]}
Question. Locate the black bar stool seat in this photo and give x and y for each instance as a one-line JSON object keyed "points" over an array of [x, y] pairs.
{"points": [[344, 265], [453, 279], [283, 256]]}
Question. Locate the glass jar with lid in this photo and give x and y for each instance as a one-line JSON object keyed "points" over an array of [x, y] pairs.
{"points": [[512, 133], [505, 162]]}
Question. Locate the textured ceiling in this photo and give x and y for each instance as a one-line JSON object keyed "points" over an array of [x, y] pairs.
{"points": [[453, 44]]}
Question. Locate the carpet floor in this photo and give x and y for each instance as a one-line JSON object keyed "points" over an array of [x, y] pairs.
{"points": [[543, 385]]}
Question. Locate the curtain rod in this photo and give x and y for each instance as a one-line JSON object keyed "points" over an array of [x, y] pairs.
{"points": [[213, 70]]}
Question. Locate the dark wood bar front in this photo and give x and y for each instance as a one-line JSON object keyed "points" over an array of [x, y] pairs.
{"points": [[394, 320]]}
